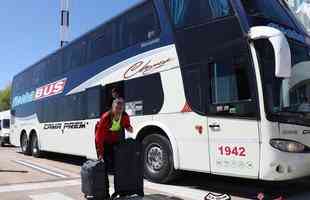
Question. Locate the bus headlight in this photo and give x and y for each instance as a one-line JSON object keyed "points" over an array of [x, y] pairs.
{"points": [[288, 146]]}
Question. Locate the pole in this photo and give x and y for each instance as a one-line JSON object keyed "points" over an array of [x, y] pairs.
{"points": [[64, 26]]}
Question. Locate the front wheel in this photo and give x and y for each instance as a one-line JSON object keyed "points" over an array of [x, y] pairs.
{"points": [[158, 159]]}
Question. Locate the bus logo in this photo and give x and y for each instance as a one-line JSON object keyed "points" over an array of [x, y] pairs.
{"points": [[50, 89], [145, 68]]}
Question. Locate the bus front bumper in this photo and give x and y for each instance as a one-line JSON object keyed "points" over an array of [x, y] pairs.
{"points": [[287, 166], [5, 139]]}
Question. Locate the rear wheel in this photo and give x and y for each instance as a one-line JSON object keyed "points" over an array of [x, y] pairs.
{"points": [[24, 144], [35, 150], [158, 159]]}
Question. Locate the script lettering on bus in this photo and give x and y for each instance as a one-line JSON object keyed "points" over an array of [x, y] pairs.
{"points": [[144, 68]]}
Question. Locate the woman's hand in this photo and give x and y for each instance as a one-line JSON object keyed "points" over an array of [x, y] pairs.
{"points": [[100, 157], [130, 129]]}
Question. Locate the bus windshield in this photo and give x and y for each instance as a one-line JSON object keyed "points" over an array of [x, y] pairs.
{"points": [[288, 98], [301, 11], [267, 11], [6, 123]]}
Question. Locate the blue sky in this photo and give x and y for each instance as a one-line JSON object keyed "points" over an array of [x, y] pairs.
{"points": [[30, 28]]}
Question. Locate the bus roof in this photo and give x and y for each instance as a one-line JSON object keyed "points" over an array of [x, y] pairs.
{"points": [[83, 35]]}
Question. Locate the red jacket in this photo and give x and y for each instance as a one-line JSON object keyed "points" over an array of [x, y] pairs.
{"points": [[103, 133]]}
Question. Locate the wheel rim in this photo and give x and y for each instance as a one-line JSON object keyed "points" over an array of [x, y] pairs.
{"points": [[24, 143], [155, 160]]}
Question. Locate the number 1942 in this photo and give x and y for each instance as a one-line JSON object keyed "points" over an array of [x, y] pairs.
{"points": [[232, 151]]}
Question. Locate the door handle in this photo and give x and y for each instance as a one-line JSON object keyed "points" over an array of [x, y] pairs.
{"points": [[214, 126]]}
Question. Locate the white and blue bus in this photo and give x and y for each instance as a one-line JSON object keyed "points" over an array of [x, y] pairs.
{"points": [[214, 86]]}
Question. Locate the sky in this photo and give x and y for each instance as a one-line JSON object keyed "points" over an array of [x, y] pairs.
{"points": [[30, 28]]}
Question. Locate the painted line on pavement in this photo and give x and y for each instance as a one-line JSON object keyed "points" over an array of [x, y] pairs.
{"points": [[41, 169], [54, 169], [50, 196], [39, 186]]}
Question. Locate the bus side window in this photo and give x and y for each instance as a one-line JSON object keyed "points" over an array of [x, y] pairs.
{"points": [[94, 99], [230, 87], [140, 24], [185, 13]]}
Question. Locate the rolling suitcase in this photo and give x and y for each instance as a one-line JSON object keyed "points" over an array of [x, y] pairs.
{"points": [[94, 180], [128, 178]]}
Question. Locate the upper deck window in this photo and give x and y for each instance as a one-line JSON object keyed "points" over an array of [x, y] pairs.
{"points": [[139, 25], [188, 12]]}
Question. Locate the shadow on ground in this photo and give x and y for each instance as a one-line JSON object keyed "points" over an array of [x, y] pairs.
{"points": [[244, 187], [298, 189], [152, 197]]}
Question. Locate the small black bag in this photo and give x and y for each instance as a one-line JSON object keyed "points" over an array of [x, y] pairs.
{"points": [[128, 178], [94, 180]]}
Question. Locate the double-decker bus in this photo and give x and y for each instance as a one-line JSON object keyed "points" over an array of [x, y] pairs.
{"points": [[214, 86]]}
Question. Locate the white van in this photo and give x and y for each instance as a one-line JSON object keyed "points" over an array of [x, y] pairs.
{"points": [[5, 127]]}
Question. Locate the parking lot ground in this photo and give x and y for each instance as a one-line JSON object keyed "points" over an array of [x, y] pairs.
{"points": [[57, 177]]}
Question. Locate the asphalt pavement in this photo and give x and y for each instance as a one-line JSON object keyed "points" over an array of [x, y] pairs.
{"points": [[57, 177]]}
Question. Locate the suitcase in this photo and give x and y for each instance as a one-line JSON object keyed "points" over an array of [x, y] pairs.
{"points": [[94, 180], [128, 178]]}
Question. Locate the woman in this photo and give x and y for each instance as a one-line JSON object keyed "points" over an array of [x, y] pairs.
{"points": [[110, 129], [109, 132]]}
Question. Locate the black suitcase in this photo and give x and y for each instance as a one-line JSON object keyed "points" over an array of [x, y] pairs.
{"points": [[128, 178], [94, 180]]}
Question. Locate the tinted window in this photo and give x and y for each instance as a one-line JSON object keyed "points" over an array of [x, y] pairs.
{"points": [[230, 87], [6, 123], [39, 73], [67, 55], [270, 9], [139, 25], [230, 81], [196, 86], [54, 67], [139, 99], [188, 12], [94, 102], [68, 108], [78, 54]]}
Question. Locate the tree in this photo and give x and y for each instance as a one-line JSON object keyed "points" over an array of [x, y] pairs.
{"points": [[5, 98]]}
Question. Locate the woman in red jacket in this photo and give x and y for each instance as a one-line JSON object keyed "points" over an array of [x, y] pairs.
{"points": [[110, 130]]}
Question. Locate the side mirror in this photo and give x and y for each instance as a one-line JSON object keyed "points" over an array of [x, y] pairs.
{"points": [[282, 51]]}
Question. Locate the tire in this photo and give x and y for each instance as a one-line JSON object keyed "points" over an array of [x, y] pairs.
{"points": [[158, 159], [35, 150], [1, 143], [24, 144]]}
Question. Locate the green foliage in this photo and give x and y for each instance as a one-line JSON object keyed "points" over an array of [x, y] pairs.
{"points": [[5, 98]]}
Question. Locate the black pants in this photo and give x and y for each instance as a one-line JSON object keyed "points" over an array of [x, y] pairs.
{"points": [[109, 150]]}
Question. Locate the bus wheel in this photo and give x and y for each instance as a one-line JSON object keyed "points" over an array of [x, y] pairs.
{"points": [[24, 145], [35, 150], [158, 159]]}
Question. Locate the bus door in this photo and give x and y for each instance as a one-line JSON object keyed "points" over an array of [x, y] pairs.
{"points": [[207, 33], [95, 98], [233, 114]]}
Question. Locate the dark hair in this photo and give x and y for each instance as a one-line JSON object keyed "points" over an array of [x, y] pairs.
{"points": [[115, 90]]}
